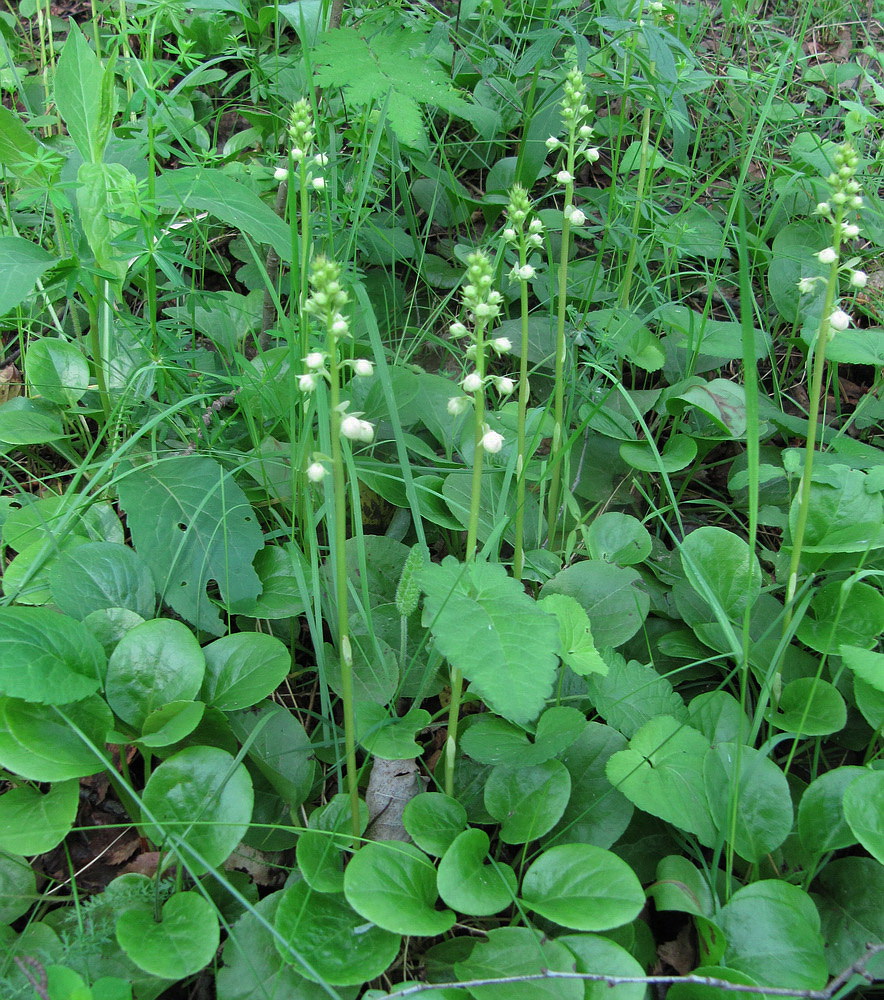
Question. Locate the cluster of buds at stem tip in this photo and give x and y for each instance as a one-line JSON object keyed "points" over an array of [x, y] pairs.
{"points": [[845, 197], [576, 143], [521, 236], [302, 137]]}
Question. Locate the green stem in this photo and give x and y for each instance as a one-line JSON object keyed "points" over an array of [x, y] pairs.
{"points": [[626, 286], [518, 548]]}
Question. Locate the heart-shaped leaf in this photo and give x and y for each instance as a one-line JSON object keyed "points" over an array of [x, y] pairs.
{"points": [[433, 820], [33, 823], [184, 941], [469, 882], [243, 668], [527, 801]]}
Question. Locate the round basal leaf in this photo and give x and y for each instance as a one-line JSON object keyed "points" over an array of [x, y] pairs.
{"points": [[47, 658], [471, 883], [280, 595], [171, 723], [57, 371], [279, 747], [772, 930], [618, 538], [433, 820], [29, 421], [697, 991], [761, 818], [662, 773], [18, 887], [866, 664], [43, 744], [393, 884], [27, 577], [153, 664], [583, 887], [320, 848], [719, 717], [821, 823], [680, 886], [242, 669], [612, 597], [794, 257], [848, 894], [389, 737], [870, 702], [327, 941], [722, 570], [100, 575], [32, 822], [840, 616], [517, 951], [492, 740], [601, 956], [864, 812], [810, 707], [596, 812], [110, 625], [200, 796], [677, 454], [527, 801], [184, 941]]}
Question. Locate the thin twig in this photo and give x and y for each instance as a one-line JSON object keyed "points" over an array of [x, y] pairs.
{"points": [[856, 968]]}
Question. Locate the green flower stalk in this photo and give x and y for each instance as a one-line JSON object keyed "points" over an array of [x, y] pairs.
{"points": [[524, 239], [576, 144], [845, 198], [482, 303], [326, 304]]}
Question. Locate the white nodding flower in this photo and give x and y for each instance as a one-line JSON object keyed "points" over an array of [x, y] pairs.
{"points": [[318, 183], [591, 154], [339, 326], [564, 177], [363, 367], [321, 159], [839, 320], [509, 234], [524, 273], [307, 382], [316, 472], [536, 240], [366, 432], [351, 427], [281, 174], [471, 382], [458, 405], [805, 286], [535, 226], [314, 360], [859, 279], [823, 208], [576, 217], [492, 442], [827, 256], [505, 386], [553, 143], [297, 154], [850, 230], [458, 330], [584, 131], [501, 345]]}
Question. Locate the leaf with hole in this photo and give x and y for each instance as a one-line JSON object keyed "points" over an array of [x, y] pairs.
{"points": [[470, 882]]}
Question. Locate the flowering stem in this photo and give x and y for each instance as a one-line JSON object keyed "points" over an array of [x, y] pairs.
{"points": [[518, 547], [626, 286]]}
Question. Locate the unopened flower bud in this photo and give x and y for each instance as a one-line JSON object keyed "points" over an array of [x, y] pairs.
{"points": [[535, 226], [805, 286], [576, 217], [564, 177], [553, 143], [524, 273], [859, 279], [297, 154], [339, 326], [501, 345], [471, 382], [318, 183], [505, 386], [509, 234], [584, 131], [591, 154], [458, 330], [850, 230], [307, 382], [281, 174], [827, 256], [366, 432], [823, 208], [316, 472], [492, 442], [839, 320]]}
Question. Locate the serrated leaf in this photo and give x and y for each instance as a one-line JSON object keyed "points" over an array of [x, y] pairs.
{"points": [[193, 524], [487, 627], [631, 694]]}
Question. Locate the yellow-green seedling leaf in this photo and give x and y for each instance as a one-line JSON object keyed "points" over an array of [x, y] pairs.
{"points": [[578, 648], [470, 882], [181, 944], [583, 887], [200, 796], [101, 575], [243, 668], [864, 812], [326, 940], [47, 658], [822, 826], [433, 820], [393, 885], [32, 822], [153, 664], [18, 887], [527, 801]]}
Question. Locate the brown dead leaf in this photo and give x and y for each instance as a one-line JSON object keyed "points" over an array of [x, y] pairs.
{"points": [[392, 785]]}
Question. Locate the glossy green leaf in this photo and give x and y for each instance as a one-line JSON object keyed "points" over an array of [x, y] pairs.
{"points": [[618, 538], [279, 747], [84, 94], [27, 577], [184, 940], [514, 951], [821, 823], [320, 848], [192, 524], [848, 894], [100, 575], [719, 717], [492, 740], [749, 799], [202, 797], [153, 664], [870, 702], [721, 569], [677, 454], [527, 801], [171, 723], [433, 820], [772, 930], [600, 956], [327, 941], [471, 883], [18, 887], [22, 264], [393, 885], [578, 649], [243, 668], [583, 887], [57, 371], [32, 822], [698, 991], [44, 744], [26, 421], [390, 737], [632, 694], [865, 664], [716, 408], [864, 812], [810, 707], [280, 595], [662, 773], [486, 626], [841, 615], [46, 657], [682, 887], [611, 596]]}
